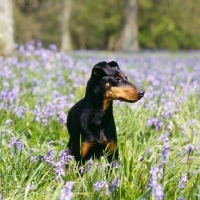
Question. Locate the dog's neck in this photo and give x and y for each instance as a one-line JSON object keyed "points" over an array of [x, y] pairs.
{"points": [[100, 106], [97, 99], [100, 114]]}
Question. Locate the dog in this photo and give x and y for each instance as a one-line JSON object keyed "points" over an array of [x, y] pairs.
{"points": [[90, 121]]}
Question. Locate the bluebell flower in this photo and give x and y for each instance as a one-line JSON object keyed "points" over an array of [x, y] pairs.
{"points": [[164, 137], [16, 143], [32, 157], [53, 47], [97, 185], [192, 122], [189, 148], [90, 163], [183, 131], [49, 157], [102, 185], [66, 193], [170, 126], [59, 171], [155, 122], [116, 183], [59, 166], [183, 181], [31, 186], [165, 152], [153, 179], [116, 165], [65, 157], [158, 192], [19, 111], [8, 122]]}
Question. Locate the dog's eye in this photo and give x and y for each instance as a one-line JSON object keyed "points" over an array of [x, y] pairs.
{"points": [[117, 78]]}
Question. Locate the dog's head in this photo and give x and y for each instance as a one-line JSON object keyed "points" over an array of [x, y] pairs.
{"points": [[114, 83]]}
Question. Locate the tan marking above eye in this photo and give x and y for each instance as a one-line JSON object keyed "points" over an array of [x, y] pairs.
{"points": [[107, 85], [119, 74]]}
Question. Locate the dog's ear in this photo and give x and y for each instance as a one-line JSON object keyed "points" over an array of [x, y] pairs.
{"points": [[101, 69], [113, 64]]}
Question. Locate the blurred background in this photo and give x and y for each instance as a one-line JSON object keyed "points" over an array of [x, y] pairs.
{"points": [[123, 25]]}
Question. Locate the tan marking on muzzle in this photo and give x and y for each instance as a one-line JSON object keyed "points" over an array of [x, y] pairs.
{"points": [[125, 93]]}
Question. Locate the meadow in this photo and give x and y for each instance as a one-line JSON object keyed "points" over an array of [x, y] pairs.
{"points": [[158, 137]]}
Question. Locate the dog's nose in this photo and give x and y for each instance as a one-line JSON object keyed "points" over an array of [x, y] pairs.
{"points": [[140, 94]]}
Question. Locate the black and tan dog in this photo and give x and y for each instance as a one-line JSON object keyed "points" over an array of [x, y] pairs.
{"points": [[90, 121]]}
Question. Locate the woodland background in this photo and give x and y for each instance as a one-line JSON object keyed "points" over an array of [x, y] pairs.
{"points": [[160, 24]]}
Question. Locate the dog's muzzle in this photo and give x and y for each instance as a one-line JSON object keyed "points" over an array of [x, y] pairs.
{"points": [[140, 94]]}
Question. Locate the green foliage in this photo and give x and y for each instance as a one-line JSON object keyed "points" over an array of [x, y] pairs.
{"points": [[37, 22], [172, 24], [96, 24], [169, 24]]}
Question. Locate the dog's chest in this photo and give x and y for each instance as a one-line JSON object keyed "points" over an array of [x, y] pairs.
{"points": [[102, 136]]}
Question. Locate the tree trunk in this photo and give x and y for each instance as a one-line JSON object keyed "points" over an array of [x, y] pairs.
{"points": [[66, 44], [128, 39], [6, 26]]}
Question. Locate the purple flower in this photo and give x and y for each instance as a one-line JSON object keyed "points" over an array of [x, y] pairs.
{"points": [[32, 157], [189, 148], [16, 143], [164, 137], [49, 157], [59, 171], [64, 157], [59, 166], [116, 165], [165, 152], [8, 122], [62, 117], [53, 47], [153, 179], [170, 126], [90, 163], [158, 192], [155, 122], [65, 193], [98, 186], [102, 185], [183, 181], [116, 183], [31, 186], [167, 113], [148, 152], [49, 143], [195, 133], [192, 122], [19, 111], [182, 127], [81, 169]]}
